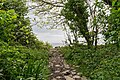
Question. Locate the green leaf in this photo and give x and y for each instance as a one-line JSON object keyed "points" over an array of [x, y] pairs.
{"points": [[113, 3], [31, 78]]}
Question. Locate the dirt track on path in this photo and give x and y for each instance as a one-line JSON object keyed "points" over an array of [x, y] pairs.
{"points": [[59, 69]]}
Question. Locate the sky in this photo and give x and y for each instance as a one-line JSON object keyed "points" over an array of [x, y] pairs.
{"points": [[56, 37]]}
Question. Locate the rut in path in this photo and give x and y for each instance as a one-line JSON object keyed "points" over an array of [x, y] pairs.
{"points": [[59, 69]]}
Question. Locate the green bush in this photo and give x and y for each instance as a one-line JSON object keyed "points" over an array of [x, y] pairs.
{"points": [[22, 55], [21, 63], [103, 64]]}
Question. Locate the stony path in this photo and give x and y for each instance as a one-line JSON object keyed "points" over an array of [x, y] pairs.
{"points": [[59, 69]]}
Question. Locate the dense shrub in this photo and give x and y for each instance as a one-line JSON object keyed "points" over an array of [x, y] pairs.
{"points": [[7, 19], [21, 63], [22, 55], [15, 26], [112, 31], [103, 64]]}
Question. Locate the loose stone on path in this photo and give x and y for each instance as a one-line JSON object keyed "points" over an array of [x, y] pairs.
{"points": [[59, 69]]}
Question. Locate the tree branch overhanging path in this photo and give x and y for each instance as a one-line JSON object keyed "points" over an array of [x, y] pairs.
{"points": [[50, 10], [78, 22]]}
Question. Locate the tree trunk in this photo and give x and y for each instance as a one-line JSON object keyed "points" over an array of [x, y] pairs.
{"points": [[96, 33], [89, 43]]}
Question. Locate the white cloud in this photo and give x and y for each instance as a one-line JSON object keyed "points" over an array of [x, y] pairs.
{"points": [[53, 36]]}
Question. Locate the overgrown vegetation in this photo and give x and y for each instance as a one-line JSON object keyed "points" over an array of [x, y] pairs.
{"points": [[102, 64], [112, 32], [99, 62], [22, 55], [21, 63]]}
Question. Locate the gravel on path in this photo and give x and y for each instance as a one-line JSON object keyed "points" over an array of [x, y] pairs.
{"points": [[59, 69]]}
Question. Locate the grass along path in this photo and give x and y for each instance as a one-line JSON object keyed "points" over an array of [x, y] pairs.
{"points": [[59, 69]]}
